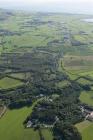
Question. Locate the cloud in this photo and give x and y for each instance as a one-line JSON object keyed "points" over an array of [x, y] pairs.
{"points": [[43, 1], [83, 6]]}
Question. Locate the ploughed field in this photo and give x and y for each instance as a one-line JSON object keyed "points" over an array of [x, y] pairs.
{"points": [[44, 55]]}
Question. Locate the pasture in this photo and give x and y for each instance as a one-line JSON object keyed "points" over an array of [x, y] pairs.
{"points": [[11, 126], [87, 97], [7, 83], [86, 128]]}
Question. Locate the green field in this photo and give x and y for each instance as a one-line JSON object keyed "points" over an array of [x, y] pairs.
{"points": [[6, 83], [11, 126], [47, 134], [86, 129], [87, 97]]}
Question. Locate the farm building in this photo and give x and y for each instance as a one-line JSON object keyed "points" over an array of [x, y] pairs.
{"points": [[90, 116]]}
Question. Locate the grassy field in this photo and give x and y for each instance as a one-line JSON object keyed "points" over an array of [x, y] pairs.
{"points": [[11, 126], [47, 134], [6, 83], [87, 97], [86, 129]]}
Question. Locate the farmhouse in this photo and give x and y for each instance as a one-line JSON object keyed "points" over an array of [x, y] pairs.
{"points": [[29, 124], [87, 113], [90, 116]]}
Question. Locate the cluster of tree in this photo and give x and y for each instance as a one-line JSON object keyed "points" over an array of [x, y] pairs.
{"points": [[63, 110], [8, 33], [77, 43], [17, 98], [65, 132], [44, 75], [66, 108]]}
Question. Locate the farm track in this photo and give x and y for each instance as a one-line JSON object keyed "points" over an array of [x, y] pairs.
{"points": [[3, 111]]}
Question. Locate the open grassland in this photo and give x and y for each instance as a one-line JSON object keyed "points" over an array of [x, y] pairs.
{"points": [[47, 134], [6, 83], [86, 130], [87, 97], [11, 126]]}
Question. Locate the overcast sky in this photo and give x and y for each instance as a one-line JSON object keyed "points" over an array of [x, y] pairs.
{"points": [[74, 6]]}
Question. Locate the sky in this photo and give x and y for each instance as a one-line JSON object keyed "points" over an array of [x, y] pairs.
{"points": [[68, 6]]}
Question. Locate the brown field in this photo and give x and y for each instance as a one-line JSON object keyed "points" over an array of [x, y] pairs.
{"points": [[78, 62]]}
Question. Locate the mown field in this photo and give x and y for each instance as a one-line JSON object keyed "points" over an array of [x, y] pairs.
{"points": [[15, 119], [86, 128], [87, 97], [11, 126]]}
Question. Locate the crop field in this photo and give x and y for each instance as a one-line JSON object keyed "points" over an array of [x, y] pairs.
{"points": [[78, 62]]}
